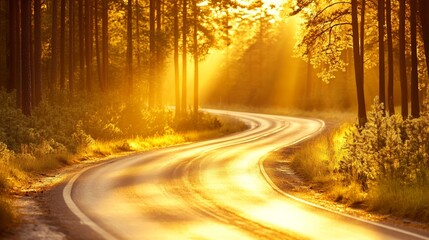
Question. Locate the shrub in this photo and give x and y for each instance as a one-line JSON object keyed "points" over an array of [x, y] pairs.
{"points": [[387, 147]]}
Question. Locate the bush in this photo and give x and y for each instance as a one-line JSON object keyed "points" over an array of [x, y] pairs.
{"points": [[387, 147]]}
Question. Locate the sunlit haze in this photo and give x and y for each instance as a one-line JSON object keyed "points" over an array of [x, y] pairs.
{"points": [[214, 119]]}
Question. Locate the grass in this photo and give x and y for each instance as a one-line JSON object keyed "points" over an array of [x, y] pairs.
{"points": [[318, 161], [17, 169], [392, 196]]}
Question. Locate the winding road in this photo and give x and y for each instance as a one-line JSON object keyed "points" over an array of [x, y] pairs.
{"points": [[214, 189]]}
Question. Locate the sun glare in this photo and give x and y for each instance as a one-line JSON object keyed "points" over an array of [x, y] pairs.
{"points": [[274, 3]]}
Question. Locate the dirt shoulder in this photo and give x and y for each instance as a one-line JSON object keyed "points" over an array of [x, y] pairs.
{"points": [[278, 166]]}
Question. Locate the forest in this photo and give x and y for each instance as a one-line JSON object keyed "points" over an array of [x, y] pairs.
{"points": [[89, 78]]}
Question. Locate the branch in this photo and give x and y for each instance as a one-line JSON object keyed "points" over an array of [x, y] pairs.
{"points": [[329, 6]]}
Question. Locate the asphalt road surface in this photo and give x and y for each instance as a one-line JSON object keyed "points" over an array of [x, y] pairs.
{"points": [[208, 190]]}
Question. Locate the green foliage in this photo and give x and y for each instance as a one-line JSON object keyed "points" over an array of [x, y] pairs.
{"points": [[62, 130], [202, 121], [384, 164], [317, 159], [388, 148]]}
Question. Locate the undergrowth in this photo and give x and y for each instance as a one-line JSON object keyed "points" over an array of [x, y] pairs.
{"points": [[383, 166], [64, 131]]}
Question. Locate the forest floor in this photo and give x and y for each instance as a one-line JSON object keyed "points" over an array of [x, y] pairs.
{"points": [[278, 165]]}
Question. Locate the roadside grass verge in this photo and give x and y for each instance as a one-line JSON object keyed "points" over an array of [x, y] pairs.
{"points": [[318, 160], [21, 168], [63, 132], [393, 196], [380, 168]]}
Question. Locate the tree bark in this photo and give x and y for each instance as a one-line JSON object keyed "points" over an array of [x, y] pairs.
{"points": [[152, 49], [25, 56], [129, 47], [196, 73], [390, 102], [71, 46], [402, 60], [37, 52], [184, 56], [138, 38], [97, 47], [63, 45], [81, 47], [18, 83], [158, 34], [362, 34], [105, 40], [88, 43], [359, 78], [381, 62], [54, 60], [424, 19], [176, 57], [14, 45], [415, 103]]}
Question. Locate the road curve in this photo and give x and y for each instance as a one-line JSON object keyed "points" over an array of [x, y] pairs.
{"points": [[207, 190]]}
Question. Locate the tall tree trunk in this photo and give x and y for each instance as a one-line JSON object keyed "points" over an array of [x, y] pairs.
{"points": [[362, 34], [424, 19], [176, 57], [14, 45], [196, 73], [137, 27], [402, 60], [105, 40], [390, 93], [37, 51], [81, 47], [152, 49], [63, 45], [184, 57], [18, 83], [54, 60], [309, 78], [158, 34], [71, 46], [25, 55], [359, 78], [129, 47], [88, 43], [97, 47], [381, 62], [33, 84], [415, 103]]}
